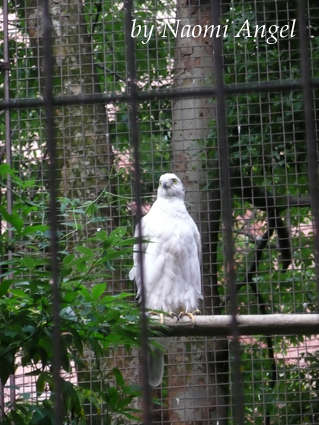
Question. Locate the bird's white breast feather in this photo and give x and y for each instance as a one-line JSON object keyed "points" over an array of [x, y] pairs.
{"points": [[171, 258]]}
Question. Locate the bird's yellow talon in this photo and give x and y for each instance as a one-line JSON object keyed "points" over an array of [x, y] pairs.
{"points": [[190, 315]]}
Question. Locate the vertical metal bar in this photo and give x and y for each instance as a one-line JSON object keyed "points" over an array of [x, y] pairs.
{"points": [[226, 205], [134, 136], [49, 111], [8, 146], [312, 156]]}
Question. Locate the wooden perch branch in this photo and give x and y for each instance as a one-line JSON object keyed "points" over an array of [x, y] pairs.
{"points": [[271, 324]]}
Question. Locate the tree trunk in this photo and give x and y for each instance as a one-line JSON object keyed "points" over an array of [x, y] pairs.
{"points": [[84, 155], [198, 381], [83, 150]]}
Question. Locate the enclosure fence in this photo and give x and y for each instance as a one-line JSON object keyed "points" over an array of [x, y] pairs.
{"points": [[95, 107]]}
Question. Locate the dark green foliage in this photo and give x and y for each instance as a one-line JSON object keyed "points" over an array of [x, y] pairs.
{"points": [[266, 130], [267, 145], [91, 318], [153, 62], [267, 151]]}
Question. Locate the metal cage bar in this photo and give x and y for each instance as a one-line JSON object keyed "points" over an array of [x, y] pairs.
{"points": [[51, 148], [134, 134], [232, 325]]}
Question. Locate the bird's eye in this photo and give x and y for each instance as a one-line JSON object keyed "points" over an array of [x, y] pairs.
{"points": [[174, 181], [160, 183]]}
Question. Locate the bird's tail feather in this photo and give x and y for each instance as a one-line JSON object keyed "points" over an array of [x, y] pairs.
{"points": [[156, 361]]}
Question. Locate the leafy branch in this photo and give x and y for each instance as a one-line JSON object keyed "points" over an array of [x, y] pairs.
{"points": [[90, 317]]}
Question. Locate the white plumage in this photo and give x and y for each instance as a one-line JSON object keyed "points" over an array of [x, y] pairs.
{"points": [[172, 279]]}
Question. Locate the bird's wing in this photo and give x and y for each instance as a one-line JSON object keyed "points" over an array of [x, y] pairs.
{"points": [[198, 243], [146, 230], [158, 254]]}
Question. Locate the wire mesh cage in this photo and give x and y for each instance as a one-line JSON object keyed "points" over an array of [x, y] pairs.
{"points": [[98, 100]]}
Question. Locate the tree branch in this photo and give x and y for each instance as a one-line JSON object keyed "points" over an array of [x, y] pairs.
{"points": [[273, 206], [262, 198], [271, 324]]}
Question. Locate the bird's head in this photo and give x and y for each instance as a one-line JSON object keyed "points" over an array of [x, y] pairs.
{"points": [[170, 186]]}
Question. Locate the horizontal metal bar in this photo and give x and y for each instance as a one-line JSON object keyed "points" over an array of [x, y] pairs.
{"points": [[281, 86], [271, 324]]}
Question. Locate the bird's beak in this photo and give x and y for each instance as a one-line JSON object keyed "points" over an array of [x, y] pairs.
{"points": [[165, 185]]}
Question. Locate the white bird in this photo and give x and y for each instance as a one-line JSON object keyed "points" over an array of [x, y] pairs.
{"points": [[171, 261]]}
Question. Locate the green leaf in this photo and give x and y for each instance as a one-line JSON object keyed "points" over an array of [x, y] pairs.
{"points": [[118, 376], [91, 209], [41, 381], [20, 293], [101, 235], [117, 233], [15, 220], [85, 293], [64, 204], [5, 170], [18, 419], [37, 416], [81, 267], [69, 296], [78, 341], [84, 250], [109, 266], [68, 259], [7, 262], [128, 241], [28, 230], [98, 290], [4, 286], [8, 273], [28, 262], [112, 254], [66, 271]]}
